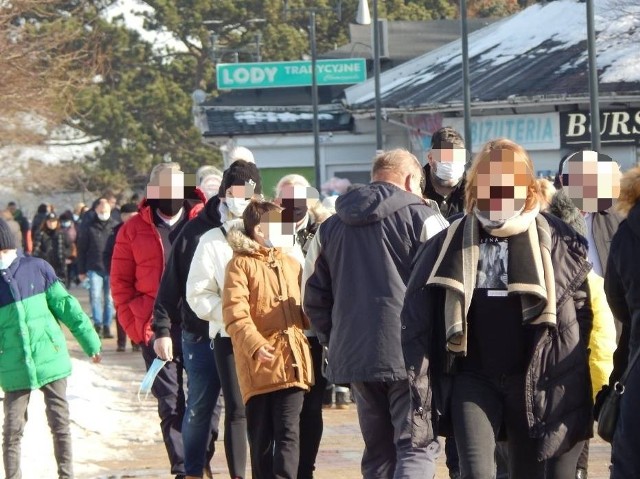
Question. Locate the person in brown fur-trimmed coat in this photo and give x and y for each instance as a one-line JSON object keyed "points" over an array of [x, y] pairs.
{"points": [[262, 313]]}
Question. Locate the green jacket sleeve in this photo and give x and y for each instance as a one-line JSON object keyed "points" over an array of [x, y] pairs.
{"points": [[67, 309]]}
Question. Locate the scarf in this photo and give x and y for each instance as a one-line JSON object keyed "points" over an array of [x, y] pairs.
{"points": [[456, 268]]}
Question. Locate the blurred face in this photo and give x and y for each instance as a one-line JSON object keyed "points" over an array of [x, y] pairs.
{"points": [[103, 208], [296, 201], [211, 185], [274, 232], [448, 164], [592, 181], [501, 186], [238, 197], [170, 186], [52, 224]]}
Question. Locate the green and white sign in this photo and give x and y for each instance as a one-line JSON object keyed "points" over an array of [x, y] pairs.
{"points": [[286, 74]]}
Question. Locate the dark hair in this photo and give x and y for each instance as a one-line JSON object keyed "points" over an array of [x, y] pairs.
{"points": [[253, 213], [43, 208], [444, 136]]}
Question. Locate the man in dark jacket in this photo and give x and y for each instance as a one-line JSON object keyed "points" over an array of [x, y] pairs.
{"points": [[354, 282], [444, 171], [92, 242]]}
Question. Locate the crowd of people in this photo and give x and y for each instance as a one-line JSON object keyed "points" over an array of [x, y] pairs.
{"points": [[464, 299]]}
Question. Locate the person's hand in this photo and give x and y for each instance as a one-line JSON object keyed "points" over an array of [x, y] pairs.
{"points": [[163, 348], [82, 277], [96, 358], [264, 354]]}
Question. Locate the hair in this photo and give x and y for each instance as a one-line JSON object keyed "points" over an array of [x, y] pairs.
{"points": [[547, 190], [394, 165], [446, 135], [154, 176], [293, 179], [629, 190], [484, 156], [253, 213]]}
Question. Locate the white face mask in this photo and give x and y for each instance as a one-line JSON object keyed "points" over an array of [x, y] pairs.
{"points": [[7, 258], [104, 216], [237, 205], [450, 171]]}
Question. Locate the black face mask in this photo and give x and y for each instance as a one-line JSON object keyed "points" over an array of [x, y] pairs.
{"points": [[167, 206], [294, 209]]}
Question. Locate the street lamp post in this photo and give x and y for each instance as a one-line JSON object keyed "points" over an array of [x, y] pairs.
{"points": [[365, 19], [312, 11], [466, 83]]}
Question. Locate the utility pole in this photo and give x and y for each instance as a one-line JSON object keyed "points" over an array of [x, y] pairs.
{"points": [[593, 79]]}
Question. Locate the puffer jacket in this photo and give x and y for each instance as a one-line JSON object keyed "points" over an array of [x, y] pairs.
{"points": [[261, 306], [33, 348], [557, 385], [137, 265]]}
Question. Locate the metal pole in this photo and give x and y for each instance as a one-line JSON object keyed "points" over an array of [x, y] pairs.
{"points": [[314, 99], [593, 79], [376, 76], [465, 77]]}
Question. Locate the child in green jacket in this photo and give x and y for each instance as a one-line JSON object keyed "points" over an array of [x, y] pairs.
{"points": [[33, 350]]}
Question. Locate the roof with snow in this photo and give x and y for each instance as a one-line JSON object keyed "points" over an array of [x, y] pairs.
{"points": [[538, 55]]}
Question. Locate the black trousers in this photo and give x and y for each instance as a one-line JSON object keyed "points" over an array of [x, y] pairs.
{"points": [[169, 391], [311, 424], [273, 424], [235, 421], [479, 406]]}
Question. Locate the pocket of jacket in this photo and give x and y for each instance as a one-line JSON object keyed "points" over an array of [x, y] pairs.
{"points": [[305, 369], [274, 372], [421, 425]]}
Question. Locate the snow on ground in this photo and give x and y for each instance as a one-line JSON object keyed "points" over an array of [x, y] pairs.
{"points": [[107, 420]]}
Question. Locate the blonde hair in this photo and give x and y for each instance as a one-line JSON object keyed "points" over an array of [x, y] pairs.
{"points": [[317, 209], [292, 179], [481, 161], [629, 191], [547, 190], [395, 165]]}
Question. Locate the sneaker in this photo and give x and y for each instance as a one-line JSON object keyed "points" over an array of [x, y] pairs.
{"points": [[327, 398], [342, 400], [106, 333], [581, 473], [135, 347], [120, 349]]}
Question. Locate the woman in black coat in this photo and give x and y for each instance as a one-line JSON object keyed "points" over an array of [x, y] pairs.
{"points": [[622, 286], [500, 352]]}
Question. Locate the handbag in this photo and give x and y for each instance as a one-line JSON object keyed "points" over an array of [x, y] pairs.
{"points": [[610, 411]]}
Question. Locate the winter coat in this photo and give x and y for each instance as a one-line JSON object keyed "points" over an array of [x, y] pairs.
{"points": [[557, 383], [171, 309], [261, 306], [206, 277], [137, 265], [605, 225], [33, 348], [355, 276], [92, 240], [622, 287], [52, 246], [602, 341]]}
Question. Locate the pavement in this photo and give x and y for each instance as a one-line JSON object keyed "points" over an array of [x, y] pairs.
{"points": [[338, 458]]}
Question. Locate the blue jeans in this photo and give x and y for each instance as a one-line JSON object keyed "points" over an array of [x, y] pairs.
{"points": [[102, 309], [203, 390]]}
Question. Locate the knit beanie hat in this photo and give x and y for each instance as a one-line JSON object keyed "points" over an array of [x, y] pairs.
{"points": [[238, 174], [7, 240]]}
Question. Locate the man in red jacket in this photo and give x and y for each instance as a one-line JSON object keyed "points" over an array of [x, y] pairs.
{"points": [[142, 248]]}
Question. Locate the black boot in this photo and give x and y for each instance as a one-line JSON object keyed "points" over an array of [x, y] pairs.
{"points": [[98, 330], [106, 332]]}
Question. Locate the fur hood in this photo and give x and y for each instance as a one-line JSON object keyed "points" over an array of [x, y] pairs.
{"points": [[240, 243], [562, 207]]}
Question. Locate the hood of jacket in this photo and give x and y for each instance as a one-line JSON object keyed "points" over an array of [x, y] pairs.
{"points": [[373, 203], [240, 243], [562, 207]]}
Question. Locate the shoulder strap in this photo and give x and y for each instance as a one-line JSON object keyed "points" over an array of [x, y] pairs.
{"points": [[224, 231]]}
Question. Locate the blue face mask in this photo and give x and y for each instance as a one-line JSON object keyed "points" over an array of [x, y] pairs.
{"points": [[150, 377]]}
